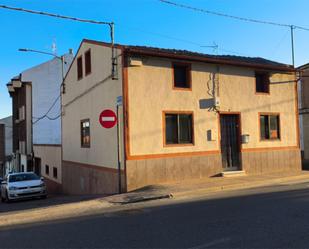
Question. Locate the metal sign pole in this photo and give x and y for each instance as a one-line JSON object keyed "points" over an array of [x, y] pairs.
{"points": [[118, 152]]}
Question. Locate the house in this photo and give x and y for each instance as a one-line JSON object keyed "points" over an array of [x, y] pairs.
{"points": [[6, 136], [303, 91], [184, 115], [36, 112]]}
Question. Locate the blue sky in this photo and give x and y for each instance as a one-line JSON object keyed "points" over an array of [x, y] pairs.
{"points": [[150, 22]]}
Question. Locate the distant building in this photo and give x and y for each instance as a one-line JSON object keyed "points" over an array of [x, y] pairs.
{"points": [[37, 119], [6, 141], [184, 115], [304, 112]]}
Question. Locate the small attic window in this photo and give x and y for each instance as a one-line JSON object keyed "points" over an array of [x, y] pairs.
{"points": [[182, 75], [262, 82], [87, 62], [79, 67]]}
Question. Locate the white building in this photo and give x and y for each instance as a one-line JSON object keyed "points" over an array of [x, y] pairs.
{"points": [[6, 145], [37, 118]]}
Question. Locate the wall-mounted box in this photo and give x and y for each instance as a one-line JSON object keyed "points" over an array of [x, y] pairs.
{"points": [[245, 138]]}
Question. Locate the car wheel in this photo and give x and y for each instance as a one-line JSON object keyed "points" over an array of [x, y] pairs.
{"points": [[44, 196]]}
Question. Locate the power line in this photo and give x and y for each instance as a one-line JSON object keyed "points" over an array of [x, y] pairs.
{"points": [[54, 118], [110, 24], [101, 22], [231, 16], [161, 35], [54, 15], [45, 115], [274, 51]]}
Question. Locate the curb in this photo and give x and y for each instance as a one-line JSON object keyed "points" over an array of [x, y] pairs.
{"points": [[142, 199], [244, 185]]}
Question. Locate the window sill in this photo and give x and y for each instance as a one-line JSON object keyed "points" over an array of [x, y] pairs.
{"points": [[182, 88], [178, 145], [271, 140], [262, 93], [85, 146]]}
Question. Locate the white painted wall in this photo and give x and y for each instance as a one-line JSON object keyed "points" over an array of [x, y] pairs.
{"points": [[8, 135], [46, 80], [51, 156], [86, 99]]}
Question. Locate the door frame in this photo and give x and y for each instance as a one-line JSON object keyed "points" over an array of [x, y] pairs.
{"points": [[226, 113]]}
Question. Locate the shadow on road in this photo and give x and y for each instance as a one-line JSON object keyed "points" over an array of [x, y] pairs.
{"points": [[51, 200], [277, 218]]}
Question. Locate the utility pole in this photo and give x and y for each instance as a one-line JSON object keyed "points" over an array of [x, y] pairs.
{"points": [[292, 27], [114, 59]]}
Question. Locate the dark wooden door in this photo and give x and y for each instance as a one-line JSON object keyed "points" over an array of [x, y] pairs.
{"points": [[37, 166], [230, 141]]}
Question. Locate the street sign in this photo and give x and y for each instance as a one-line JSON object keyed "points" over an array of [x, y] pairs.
{"points": [[108, 119], [119, 100]]}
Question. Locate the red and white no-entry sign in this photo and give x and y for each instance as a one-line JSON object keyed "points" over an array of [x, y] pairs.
{"points": [[108, 119]]}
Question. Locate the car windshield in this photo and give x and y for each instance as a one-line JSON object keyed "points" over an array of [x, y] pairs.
{"points": [[23, 177]]}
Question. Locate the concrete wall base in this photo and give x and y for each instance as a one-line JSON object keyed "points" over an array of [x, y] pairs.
{"points": [[52, 186], [82, 179], [263, 162], [153, 171]]}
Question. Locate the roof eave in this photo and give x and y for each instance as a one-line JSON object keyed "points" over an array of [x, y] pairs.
{"points": [[130, 50]]}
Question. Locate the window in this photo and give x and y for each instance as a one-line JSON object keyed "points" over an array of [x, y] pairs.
{"points": [[178, 129], [87, 62], [262, 82], [182, 75], [85, 133], [269, 127], [46, 169], [21, 113], [55, 172], [79, 67]]}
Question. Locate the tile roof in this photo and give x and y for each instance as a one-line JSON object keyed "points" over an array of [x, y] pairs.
{"points": [[253, 60], [256, 62]]}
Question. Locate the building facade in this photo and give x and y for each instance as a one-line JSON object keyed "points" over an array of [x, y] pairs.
{"points": [[6, 142], [36, 101], [303, 89], [184, 116]]}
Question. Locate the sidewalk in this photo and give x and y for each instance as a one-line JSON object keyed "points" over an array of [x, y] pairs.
{"points": [[205, 186], [180, 190], [189, 189]]}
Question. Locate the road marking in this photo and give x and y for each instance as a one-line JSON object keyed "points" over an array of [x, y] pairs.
{"points": [[211, 244], [111, 119]]}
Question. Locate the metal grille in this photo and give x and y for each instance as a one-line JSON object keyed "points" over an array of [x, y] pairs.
{"points": [[230, 142]]}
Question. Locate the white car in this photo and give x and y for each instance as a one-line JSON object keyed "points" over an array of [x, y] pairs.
{"points": [[22, 185]]}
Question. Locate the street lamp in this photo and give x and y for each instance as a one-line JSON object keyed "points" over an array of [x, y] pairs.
{"points": [[61, 58]]}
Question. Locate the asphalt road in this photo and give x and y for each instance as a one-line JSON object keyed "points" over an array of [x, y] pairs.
{"points": [[51, 200], [272, 217]]}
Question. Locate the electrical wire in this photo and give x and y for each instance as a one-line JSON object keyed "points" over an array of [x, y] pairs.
{"points": [[275, 50], [101, 22], [45, 115], [54, 118], [55, 15], [160, 35], [231, 16]]}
